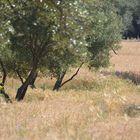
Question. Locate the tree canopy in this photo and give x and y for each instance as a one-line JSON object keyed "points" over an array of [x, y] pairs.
{"points": [[55, 35]]}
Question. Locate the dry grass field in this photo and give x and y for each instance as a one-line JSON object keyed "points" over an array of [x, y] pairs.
{"points": [[91, 107], [128, 58], [127, 63]]}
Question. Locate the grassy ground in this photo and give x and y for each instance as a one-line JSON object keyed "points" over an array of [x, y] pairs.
{"points": [[91, 107]]}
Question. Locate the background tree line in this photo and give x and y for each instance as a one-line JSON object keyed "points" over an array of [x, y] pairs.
{"points": [[130, 13], [51, 36]]}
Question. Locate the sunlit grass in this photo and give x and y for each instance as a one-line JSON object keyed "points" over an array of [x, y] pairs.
{"points": [[71, 113]]}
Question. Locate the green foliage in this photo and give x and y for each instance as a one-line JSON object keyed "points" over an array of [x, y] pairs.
{"points": [[127, 9], [105, 33], [31, 31], [70, 39], [55, 35]]}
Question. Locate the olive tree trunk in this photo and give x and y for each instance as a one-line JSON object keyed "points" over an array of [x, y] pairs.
{"points": [[23, 88], [32, 83], [58, 82]]}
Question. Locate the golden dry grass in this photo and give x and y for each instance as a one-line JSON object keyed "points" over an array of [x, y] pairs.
{"points": [[128, 58], [91, 107]]}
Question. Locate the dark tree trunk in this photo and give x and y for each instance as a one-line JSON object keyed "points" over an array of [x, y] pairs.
{"points": [[58, 82], [22, 90], [32, 83], [4, 72]]}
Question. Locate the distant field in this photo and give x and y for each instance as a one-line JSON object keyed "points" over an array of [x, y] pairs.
{"points": [[128, 58]]}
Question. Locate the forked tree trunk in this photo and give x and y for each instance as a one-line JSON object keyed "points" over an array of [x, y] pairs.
{"points": [[32, 83], [58, 82], [22, 90]]}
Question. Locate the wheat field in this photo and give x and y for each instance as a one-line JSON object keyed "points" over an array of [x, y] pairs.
{"points": [[91, 107]]}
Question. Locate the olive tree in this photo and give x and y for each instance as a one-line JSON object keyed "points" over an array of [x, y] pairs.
{"points": [[99, 32], [33, 26], [105, 35]]}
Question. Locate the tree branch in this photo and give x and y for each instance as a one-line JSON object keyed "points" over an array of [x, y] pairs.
{"points": [[20, 77], [72, 75], [114, 51]]}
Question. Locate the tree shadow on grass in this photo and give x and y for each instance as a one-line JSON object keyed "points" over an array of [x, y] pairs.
{"points": [[135, 78]]}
